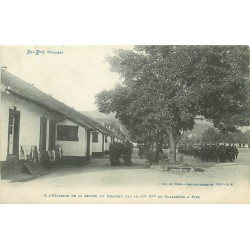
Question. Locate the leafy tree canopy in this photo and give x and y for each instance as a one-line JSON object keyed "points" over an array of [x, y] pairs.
{"points": [[163, 88]]}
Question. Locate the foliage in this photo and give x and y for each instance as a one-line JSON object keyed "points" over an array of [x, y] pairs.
{"points": [[163, 89], [210, 136], [213, 136]]}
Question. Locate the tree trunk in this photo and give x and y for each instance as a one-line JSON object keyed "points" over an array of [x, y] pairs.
{"points": [[157, 147], [172, 144]]}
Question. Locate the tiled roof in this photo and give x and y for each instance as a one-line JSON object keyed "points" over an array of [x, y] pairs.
{"points": [[25, 90]]}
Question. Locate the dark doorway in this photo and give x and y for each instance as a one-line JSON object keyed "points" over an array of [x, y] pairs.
{"points": [[43, 134], [13, 132], [52, 134], [88, 145], [103, 141]]}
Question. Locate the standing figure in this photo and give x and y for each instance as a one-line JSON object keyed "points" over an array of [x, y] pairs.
{"points": [[140, 151], [117, 149], [158, 152], [58, 154], [112, 154], [127, 153], [236, 152]]}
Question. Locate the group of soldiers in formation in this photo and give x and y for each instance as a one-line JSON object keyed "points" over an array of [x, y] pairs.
{"points": [[216, 153], [221, 153], [118, 151]]}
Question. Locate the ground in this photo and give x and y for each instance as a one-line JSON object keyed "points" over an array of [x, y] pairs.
{"points": [[100, 173], [98, 182]]}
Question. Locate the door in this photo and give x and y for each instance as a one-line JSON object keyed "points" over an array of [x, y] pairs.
{"points": [[13, 132], [103, 141], [43, 133], [52, 134], [88, 145]]}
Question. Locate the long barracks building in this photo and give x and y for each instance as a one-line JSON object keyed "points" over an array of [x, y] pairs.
{"points": [[31, 118]]}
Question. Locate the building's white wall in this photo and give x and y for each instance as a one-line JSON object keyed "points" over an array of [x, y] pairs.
{"points": [[97, 146], [4, 120], [91, 144], [30, 113], [74, 148]]}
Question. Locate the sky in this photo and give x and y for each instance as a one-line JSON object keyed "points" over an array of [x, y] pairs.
{"points": [[74, 77]]}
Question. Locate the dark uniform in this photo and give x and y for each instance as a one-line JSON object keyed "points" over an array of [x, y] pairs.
{"points": [[140, 151], [221, 153], [118, 152], [112, 154], [158, 152], [127, 153]]}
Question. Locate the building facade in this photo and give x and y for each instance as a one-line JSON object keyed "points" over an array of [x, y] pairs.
{"points": [[33, 120]]}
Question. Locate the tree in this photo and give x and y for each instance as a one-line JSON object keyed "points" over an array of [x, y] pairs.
{"points": [[163, 89], [210, 136], [247, 137]]}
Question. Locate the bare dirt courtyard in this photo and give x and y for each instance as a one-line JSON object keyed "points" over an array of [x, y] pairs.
{"points": [[100, 173], [98, 182]]}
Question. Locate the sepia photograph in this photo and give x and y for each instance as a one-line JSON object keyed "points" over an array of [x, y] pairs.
{"points": [[125, 124]]}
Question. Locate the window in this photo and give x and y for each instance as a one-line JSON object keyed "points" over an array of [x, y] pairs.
{"points": [[11, 124], [67, 133], [95, 136]]}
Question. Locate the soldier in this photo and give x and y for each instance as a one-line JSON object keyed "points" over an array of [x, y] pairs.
{"points": [[221, 153], [112, 154], [118, 152], [236, 152], [127, 153], [231, 153], [158, 152], [140, 151]]}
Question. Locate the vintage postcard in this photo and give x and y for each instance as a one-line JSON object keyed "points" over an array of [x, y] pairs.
{"points": [[125, 124]]}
